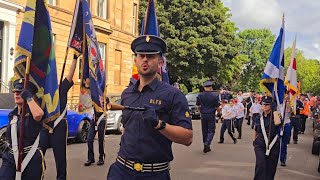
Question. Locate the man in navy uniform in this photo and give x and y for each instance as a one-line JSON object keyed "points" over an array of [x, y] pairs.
{"points": [[250, 101], [208, 103], [54, 133], [267, 156], [295, 122], [32, 128], [145, 147]]}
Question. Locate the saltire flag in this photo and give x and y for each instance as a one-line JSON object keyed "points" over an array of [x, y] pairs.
{"points": [[92, 70], [36, 42], [291, 78], [150, 26], [272, 80]]}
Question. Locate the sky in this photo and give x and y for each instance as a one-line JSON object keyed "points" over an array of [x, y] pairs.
{"points": [[302, 18]]}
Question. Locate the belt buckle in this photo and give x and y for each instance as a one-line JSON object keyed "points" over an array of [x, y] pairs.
{"points": [[138, 167]]}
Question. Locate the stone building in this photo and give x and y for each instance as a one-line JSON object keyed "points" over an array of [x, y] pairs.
{"points": [[115, 23]]}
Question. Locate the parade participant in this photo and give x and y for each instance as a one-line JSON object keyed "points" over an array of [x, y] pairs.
{"points": [[286, 130], [54, 133], [97, 124], [240, 96], [146, 144], [255, 111], [239, 109], [295, 122], [224, 95], [266, 142], [208, 103], [227, 116], [32, 128], [250, 101], [304, 114]]}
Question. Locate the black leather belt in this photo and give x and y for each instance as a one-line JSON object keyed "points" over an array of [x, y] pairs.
{"points": [[142, 167]]}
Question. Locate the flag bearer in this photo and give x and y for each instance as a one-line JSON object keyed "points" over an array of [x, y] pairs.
{"points": [[32, 126], [266, 143]]}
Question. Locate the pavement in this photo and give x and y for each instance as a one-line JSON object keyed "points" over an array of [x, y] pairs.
{"points": [[225, 161]]}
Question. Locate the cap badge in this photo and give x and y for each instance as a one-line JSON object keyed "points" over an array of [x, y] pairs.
{"points": [[147, 38], [20, 81]]}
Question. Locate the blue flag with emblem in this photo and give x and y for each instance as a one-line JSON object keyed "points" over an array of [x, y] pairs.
{"points": [[83, 40], [36, 42], [272, 80], [150, 26]]}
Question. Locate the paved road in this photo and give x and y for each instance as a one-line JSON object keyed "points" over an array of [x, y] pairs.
{"points": [[226, 161]]}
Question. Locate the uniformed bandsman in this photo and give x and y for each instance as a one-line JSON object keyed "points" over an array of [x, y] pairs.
{"points": [[208, 103], [32, 126], [97, 124], [145, 147], [227, 116], [54, 133], [267, 148]]}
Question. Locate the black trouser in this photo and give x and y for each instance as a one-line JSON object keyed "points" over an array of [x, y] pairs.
{"points": [[33, 171], [255, 119], [266, 166], [303, 119], [226, 125], [295, 126], [238, 124], [91, 134], [58, 141], [208, 124]]}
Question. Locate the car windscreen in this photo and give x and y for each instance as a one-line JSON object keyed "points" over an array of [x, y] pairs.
{"points": [[191, 98]]}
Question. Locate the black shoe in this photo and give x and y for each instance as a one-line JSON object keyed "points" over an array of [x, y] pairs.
{"points": [[234, 141], [248, 124], [239, 137], [206, 149], [88, 163], [299, 132], [302, 132], [100, 162], [288, 142], [220, 142], [283, 164], [295, 142], [251, 127]]}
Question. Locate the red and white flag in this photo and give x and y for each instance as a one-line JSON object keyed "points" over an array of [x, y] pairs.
{"points": [[291, 78]]}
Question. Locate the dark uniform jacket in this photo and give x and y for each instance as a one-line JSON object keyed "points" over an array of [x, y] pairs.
{"points": [[208, 101]]}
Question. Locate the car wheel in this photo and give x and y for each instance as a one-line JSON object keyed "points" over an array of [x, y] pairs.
{"points": [[120, 126], [315, 148], [83, 131], [3, 140]]}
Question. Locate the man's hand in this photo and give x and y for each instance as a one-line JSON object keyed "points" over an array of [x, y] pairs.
{"points": [[150, 115], [26, 94]]}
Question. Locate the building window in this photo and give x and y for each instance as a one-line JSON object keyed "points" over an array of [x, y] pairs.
{"points": [[102, 48], [134, 18], [117, 67], [102, 8], [53, 2]]}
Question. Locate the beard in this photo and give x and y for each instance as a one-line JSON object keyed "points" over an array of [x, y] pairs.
{"points": [[149, 73]]}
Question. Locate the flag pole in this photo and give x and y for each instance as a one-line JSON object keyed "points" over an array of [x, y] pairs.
{"points": [[64, 64], [21, 138]]}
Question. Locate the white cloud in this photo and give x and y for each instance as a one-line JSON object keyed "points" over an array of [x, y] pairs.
{"points": [[301, 18]]}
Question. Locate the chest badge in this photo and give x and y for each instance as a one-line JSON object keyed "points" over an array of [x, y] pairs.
{"points": [[155, 101], [187, 114]]}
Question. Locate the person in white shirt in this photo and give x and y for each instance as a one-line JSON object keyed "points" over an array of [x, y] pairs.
{"points": [[240, 97], [239, 110], [255, 112], [227, 116]]}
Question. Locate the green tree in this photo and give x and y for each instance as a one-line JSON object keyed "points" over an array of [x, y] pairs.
{"points": [[201, 41], [256, 47]]}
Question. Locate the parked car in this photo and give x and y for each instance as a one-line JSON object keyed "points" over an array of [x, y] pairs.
{"points": [[194, 111], [114, 119]]}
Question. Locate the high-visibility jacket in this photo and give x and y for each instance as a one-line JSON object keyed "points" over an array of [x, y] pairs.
{"points": [[306, 108]]}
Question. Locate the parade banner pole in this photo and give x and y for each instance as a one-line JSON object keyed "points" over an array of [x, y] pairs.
{"points": [[64, 64], [21, 138]]}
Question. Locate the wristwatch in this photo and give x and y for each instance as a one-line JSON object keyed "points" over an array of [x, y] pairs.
{"points": [[162, 125], [29, 99]]}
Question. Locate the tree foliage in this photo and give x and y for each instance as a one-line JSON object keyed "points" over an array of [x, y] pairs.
{"points": [[201, 41], [256, 46]]}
